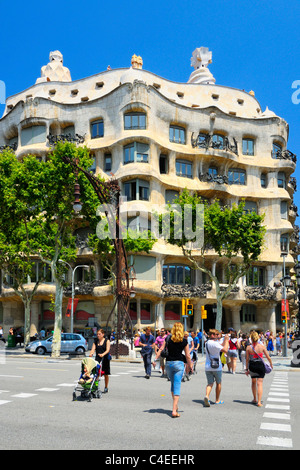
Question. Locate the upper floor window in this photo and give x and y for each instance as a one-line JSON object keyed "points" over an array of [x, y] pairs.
{"points": [[163, 164], [97, 129], [177, 134], [136, 190], [263, 180], [284, 209], [236, 176], [248, 147], [33, 135], [284, 243], [136, 152], [250, 206], [184, 168], [213, 171], [107, 162], [135, 120], [218, 141], [170, 196], [276, 150], [281, 180], [177, 274], [256, 276]]}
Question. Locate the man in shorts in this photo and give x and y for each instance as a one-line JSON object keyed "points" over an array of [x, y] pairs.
{"points": [[213, 365]]}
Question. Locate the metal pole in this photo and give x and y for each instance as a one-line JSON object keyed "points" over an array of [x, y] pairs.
{"points": [[202, 339], [72, 302], [284, 297]]}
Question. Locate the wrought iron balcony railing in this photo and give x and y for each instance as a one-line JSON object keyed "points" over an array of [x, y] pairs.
{"points": [[53, 139], [210, 178], [206, 141]]}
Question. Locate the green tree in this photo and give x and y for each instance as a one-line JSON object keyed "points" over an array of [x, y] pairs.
{"points": [[235, 236], [18, 211]]}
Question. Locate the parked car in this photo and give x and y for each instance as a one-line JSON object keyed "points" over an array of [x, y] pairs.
{"points": [[70, 342]]}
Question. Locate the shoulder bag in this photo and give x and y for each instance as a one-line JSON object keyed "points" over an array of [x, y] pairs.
{"points": [[214, 361], [165, 351], [267, 366]]}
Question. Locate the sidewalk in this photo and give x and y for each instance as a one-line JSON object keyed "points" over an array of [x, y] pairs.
{"points": [[279, 362]]}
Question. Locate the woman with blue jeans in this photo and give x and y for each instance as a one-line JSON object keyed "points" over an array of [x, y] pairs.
{"points": [[176, 344]]}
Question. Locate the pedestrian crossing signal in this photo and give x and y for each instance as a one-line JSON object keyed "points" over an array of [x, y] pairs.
{"points": [[203, 313], [189, 309], [283, 317]]}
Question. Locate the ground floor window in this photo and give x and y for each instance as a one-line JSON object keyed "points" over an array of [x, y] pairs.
{"points": [[248, 313], [172, 311]]}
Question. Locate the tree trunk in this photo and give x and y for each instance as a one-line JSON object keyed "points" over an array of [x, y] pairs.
{"points": [[27, 304], [56, 343], [219, 314]]}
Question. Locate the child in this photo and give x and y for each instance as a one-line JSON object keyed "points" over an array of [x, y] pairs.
{"points": [[86, 377]]}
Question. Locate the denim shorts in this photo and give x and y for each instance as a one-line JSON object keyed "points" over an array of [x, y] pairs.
{"points": [[175, 370], [232, 353], [212, 376]]}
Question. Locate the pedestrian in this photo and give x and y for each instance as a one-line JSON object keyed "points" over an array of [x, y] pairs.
{"points": [[243, 347], [176, 345], [278, 345], [213, 365], [157, 345], [270, 346], [233, 352], [255, 366], [1, 331], [146, 342], [101, 348]]}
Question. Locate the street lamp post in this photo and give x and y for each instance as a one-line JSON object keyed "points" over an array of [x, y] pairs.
{"points": [[73, 289]]}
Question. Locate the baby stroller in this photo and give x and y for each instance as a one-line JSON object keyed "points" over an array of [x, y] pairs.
{"points": [[89, 388]]}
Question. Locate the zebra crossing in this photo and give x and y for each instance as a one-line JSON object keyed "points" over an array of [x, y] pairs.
{"points": [[276, 419], [22, 395]]}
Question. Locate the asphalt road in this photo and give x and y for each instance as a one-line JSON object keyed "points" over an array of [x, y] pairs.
{"points": [[37, 411]]}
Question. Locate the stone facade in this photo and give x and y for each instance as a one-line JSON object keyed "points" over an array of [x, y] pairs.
{"points": [[158, 137]]}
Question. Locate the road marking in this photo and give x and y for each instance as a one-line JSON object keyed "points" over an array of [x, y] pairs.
{"points": [[3, 402], [37, 368], [274, 441], [279, 394], [13, 376], [276, 427], [282, 400], [277, 415], [46, 389], [67, 385], [278, 407], [24, 395]]}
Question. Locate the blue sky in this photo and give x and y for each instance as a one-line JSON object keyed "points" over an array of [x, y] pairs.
{"points": [[255, 44]]}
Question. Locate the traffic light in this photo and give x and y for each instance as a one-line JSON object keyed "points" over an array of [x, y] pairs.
{"points": [[283, 317], [203, 312], [183, 312], [189, 309]]}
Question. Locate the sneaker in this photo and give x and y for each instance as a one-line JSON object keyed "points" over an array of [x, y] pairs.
{"points": [[105, 390], [147, 376], [206, 402]]}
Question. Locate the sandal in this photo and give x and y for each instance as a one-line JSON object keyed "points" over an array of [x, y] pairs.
{"points": [[176, 416], [219, 402], [206, 402]]}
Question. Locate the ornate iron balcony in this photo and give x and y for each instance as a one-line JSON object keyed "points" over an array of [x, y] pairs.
{"points": [[293, 183], [209, 178], [285, 155], [185, 291], [260, 293], [53, 139], [206, 141], [12, 147]]}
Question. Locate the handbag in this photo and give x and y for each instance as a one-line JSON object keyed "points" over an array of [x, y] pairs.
{"points": [[165, 351], [267, 366], [214, 361]]}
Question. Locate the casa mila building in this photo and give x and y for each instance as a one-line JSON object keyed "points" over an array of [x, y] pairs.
{"points": [[157, 137]]}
